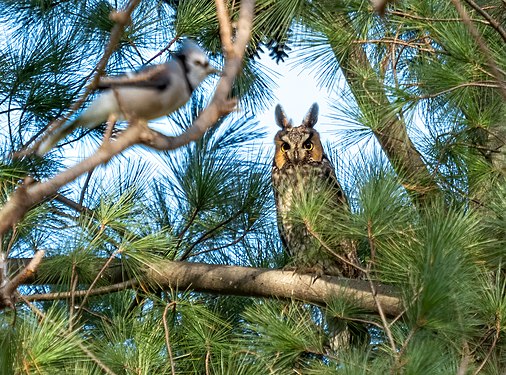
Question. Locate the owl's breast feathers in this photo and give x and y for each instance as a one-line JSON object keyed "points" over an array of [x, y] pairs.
{"points": [[291, 183], [301, 174], [319, 175]]}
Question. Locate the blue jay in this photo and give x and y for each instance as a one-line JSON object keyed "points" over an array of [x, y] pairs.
{"points": [[148, 94]]}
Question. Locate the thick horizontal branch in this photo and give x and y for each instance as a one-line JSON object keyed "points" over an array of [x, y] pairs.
{"points": [[246, 281], [261, 282]]}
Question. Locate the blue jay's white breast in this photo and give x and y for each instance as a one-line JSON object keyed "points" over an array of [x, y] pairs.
{"points": [[148, 103]]}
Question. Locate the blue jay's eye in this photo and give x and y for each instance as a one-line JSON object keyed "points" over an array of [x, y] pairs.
{"points": [[204, 64], [285, 147], [308, 145]]}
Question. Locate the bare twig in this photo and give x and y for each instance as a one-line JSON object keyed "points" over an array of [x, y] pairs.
{"points": [[370, 237], [206, 235], [397, 42], [381, 313], [4, 269], [99, 275], [431, 19], [81, 293], [208, 358], [492, 346], [167, 337], [211, 249], [165, 49], [85, 187], [406, 342], [73, 281], [225, 27], [111, 121], [466, 358], [330, 250], [496, 25], [467, 84]]}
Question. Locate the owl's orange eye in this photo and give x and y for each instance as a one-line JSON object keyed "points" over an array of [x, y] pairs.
{"points": [[285, 147], [308, 146]]}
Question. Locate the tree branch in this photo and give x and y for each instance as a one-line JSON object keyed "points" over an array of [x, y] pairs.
{"points": [[220, 105], [389, 127], [482, 45], [30, 192], [121, 19], [496, 25], [9, 286], [251, 282]]}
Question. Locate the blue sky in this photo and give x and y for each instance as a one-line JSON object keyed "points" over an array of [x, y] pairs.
{"points": [[297, 91]]}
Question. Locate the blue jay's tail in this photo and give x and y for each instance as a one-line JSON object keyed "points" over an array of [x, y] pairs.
{"points": [[57, 135]]}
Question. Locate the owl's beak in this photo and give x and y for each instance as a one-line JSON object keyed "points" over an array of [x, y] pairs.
{"points": [[296, 154]]}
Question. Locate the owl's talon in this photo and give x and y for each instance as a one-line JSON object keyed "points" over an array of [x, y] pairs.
{"points": [[314, 278], [291, 268]]}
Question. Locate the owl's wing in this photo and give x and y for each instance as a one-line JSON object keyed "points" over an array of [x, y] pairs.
{"points": [[348, 247], [282, 234], [330, 174]]}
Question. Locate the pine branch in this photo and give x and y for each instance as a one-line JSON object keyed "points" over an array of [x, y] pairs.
{"points": [[31, 193], [390, 130], [482, 45], [496, 25], [8, 287], [246, 281]]}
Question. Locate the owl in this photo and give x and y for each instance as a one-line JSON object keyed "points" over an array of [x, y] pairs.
{"points": [[301, 170]]}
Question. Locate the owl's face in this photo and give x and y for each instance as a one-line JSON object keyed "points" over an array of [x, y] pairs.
{"points": [[297, 145]]}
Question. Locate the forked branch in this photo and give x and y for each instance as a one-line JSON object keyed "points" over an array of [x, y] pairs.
{"points": [[30, 193]]}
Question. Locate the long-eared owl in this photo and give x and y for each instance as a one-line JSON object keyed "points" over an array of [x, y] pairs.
{"points": [[301, 170]]}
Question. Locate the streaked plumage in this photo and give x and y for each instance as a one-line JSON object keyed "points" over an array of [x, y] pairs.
{"points": [[301, 169]]}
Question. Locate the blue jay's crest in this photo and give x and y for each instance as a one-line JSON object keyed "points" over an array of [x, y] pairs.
{"points": [[147, 94]]}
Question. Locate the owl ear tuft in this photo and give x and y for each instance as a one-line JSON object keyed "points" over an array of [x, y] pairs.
{"points": [[311, 117], [281, 119]]}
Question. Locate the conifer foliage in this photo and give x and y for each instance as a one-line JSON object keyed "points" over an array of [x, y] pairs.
{"points": [[424, 102]]}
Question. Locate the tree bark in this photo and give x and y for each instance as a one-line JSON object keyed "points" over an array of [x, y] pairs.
{"points": [[233, 280]]}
